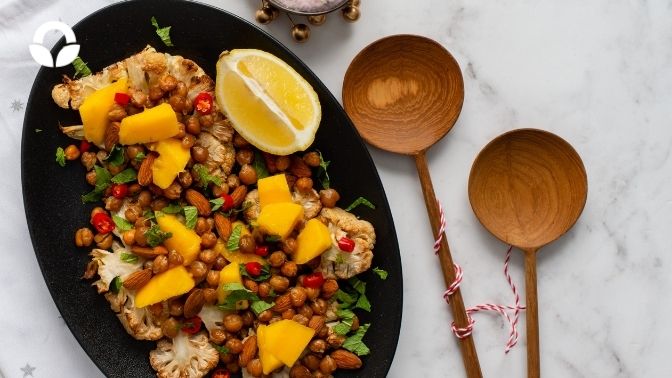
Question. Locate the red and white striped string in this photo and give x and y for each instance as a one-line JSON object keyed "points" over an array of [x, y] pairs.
{"points": [[462, 332]]}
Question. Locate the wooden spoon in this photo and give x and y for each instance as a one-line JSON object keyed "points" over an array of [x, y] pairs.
{"points": [[528, 187], [404, 93]]}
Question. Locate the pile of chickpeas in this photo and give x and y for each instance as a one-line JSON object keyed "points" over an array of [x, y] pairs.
{"points": [[292, 300]]}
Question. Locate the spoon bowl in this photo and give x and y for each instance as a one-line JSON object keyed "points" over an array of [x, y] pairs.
{"points": [[528, 188]]}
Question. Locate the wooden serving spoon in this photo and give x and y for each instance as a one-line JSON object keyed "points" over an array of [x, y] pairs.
{"points": [[528, 187], [404, 93]]}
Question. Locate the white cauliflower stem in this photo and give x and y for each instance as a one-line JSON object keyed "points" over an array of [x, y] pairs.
{"points": [[138, 322], [110, 265], [187, 356]]}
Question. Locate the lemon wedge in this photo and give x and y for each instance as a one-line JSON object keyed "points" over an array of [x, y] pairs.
{"points": [[267, 101]]}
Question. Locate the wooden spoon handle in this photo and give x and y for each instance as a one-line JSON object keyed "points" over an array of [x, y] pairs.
{"points": [[532, 314], [469, 356]]}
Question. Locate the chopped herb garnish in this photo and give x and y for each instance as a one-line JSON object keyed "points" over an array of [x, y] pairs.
{"points": [[60, 156], [234, 239], [81, 69], [115, 285], [190, 216], [121, 223], [260, 306], [220, 348], [140, 157], [205, 178], [103, 178], [322, 173], [363, 303], [381, 273], [346, 299], [116, 156], [172, 208], [272, 238], [236, 293], [259, 165], [358, 285], [265, 273], [216, 203], [149, 214], [347, 318], [355, 344], [360, 201], [129, 258], [38, 130], [125, 176], [246, 205], [155, 236], [163, 33]]}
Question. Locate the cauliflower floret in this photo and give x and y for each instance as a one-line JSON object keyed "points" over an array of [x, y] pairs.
{"points": [[222, 130], [221, 156], [334, 262], [138, 322], [212, 318], [310, 202], [111, 265], [184, 357], [252, 211]]}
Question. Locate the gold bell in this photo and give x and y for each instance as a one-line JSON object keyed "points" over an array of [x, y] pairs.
{"points": [[300, 32], [317, 19], [351, 13], [264, 15]]}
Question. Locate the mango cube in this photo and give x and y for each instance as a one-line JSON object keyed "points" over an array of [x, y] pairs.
{"points": [[268, 361], [184, 240], [171, 161], [152, 125], [273, 189], [285, 340], [172, 282], [230, 274], [314, 239], [95, 108], [280, 218]]}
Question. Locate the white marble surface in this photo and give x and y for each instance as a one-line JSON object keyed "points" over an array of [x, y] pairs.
{"points": [[597, 73]]}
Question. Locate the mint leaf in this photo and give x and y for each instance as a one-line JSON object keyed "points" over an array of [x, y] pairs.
{"points": [[236, 293], [259, 165], [363, 303], [216, 203], [260, 306], [155, 236], [204, 177], [140, 157], [129, 258], [346, 299], [38, 130], [343, 327], [163, 33], [220, 348], [381, 273], [81, 69], [358, 285], [360, 201], [116, 156], [355, 344], [272, 238], [322, 173], [125, 176], [103, 178], [149, 214], [121, 223], [190, 216], [265, 273], [115, 285], [60, 156], [234, 239], [172, 208]]}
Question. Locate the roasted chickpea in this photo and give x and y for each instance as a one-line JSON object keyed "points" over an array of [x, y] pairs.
{"points": [[288, 314], [83, 237], [238, 140], [174, 258], [198, 270], [176, 307], [317, 346], [219, 190], [188, 141], [247, 174], [144, 198], [282, 163], [300, 319], [220, 263], [304, 184], [132, 213], [199, 154], [355, 323], [158, 204], [265, 316], [277, 258], [201, 226], [208, 240], [328, 364], [182, 131], [319, 306], [279, 283], [246, 244], [210, 295], [312, 292], [208, 256], [71, 152], [88, 160], [193, 125], [218, 336], [167, 83], [180, 89], [128, 237], [232, 181], [305, 310], [116, 113], [329, 288], [335, 340], [248, 318], [155, 92], [233, 367], [311, 361], [251, 285], [289, 269], [264, 289], [103, 241], [170, 327], [329, 197], [140, 237], [213, 278], [185, 179], [254, 368], [298, 296], [233, 323], [312, 159], [244, 156], [289, 245], [206, 120], [160, 264], [173, 191]]}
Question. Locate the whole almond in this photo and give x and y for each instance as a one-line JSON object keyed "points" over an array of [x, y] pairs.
{"points": [[147, 252], [223, 226], [345, 359], [138, 279], [238, 195], [299, 168], [299, 371], [145, 171], [198, 200], [248, 352], [282, 303], [111, 135], [316, 322], [194, 303]]}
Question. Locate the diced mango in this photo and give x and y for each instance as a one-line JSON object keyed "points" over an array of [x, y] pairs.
{"points": [[273, 189], [286, 340], [171, 161], [152, 125], [172, 282], [184, 240], [268, 361], [230, 274], [94, 110], [314, 239], [280, 218]]}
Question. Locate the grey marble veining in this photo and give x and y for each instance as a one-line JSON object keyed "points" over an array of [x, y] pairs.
{"points": [[596, 73]]}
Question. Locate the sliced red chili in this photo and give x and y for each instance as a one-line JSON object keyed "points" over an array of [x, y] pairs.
{"points": [[103, 223], [346, 244], [84, 146], [261, 250], [313, 280], [119, 191], [228, 202], [192, 325], [122, 98], [253, 268], [203, 103], [220, 373]]}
